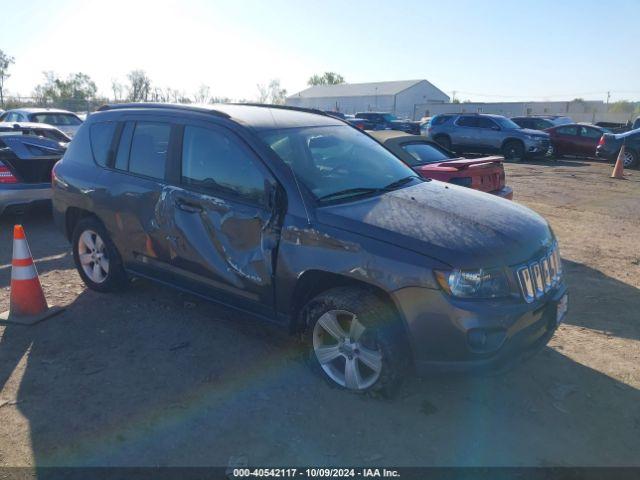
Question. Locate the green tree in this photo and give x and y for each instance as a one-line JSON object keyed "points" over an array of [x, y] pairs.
{"points": [[5, 62], [77, 89], [622, 106], [327, 78]]}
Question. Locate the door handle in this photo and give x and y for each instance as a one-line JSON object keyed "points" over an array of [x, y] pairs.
{"points": [[188, 207]]}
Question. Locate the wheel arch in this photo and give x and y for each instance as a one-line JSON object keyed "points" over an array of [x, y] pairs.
{"points": [[312, 283], [512, 139], [71, 218]]}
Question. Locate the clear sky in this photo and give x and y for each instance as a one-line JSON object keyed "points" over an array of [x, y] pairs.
{"points": [[486, 50]]}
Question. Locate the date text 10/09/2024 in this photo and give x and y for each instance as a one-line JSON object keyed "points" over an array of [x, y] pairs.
{"points": [[315, 473]]}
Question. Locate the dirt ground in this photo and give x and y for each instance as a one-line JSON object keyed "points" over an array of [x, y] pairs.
{"points": [[154, 377]]}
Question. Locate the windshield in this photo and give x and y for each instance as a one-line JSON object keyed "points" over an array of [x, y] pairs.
{"points": [[330, 160], [57, 119], [506, 123], [423, 153]]}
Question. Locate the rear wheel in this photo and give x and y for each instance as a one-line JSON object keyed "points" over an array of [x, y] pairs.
{"points": [[513, 150], [443, 141], [355, 340], [96, 258]]}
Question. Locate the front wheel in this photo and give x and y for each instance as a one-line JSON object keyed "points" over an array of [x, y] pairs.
{"points": [[513, 150], [96, 257], [355, 340], [630, 159]]}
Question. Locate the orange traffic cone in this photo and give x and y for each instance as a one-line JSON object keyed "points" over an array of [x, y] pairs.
{"points": [[618, 169], [27, 303]]}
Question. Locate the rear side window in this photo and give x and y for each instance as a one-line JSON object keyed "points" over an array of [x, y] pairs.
{"points": [[439, 120], [216, 162], [466, 121], [425, 153], [571, 130], [149, 145], [58, 119], [101, 135], [590, 132]]}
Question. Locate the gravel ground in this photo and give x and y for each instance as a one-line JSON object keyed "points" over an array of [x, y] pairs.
{"points": [[156, 377]]}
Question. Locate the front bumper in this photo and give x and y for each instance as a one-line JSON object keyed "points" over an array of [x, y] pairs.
{"points": [[537, 148], [23, 195], [504, 192], [440, 329]]}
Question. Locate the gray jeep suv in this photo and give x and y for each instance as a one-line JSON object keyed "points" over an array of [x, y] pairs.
{"points": [[479, 133], [303, 220]]}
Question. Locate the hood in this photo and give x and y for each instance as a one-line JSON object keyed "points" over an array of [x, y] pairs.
{"points": [[455, 225]]}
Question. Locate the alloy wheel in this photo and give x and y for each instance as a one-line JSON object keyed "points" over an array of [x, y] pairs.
{"points": [[347, 350], [628, 159], [93, 257]]}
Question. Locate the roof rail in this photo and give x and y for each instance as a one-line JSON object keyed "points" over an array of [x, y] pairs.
{"points": [[285, 107], [165, 106]]}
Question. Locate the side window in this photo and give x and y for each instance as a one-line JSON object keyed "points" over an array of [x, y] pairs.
{"points": [[484, 122], [467, 121], [149, 145], [570, 130], [216, 162], [124, 147], [101, 136], [590, 132]]}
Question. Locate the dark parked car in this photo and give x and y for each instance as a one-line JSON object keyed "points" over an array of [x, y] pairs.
{"points": [[303, 220], [610, 144], [430, 160], [483, 133], [360, 123], [575, 139], [533, 123], [27, 155], [388, 121]]}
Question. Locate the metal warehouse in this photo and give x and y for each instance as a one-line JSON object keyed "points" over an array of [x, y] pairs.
{"points": [[399, 97]]}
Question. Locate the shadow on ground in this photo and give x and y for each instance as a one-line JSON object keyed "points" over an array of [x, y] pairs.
{"points": [[155, 377]]}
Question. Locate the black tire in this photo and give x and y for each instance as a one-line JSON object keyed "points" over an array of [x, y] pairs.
{"points": [[443, 141], [633, 162], [513, 150], [384, 333], [116, 278]]}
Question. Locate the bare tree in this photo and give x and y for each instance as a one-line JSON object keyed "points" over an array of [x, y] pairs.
{"points": [[117, 89], [5, 62], [202, 94], [139, 86], [272, 93]]}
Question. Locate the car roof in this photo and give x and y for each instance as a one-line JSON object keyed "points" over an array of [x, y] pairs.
{"points": [[255, 116], [39, 110], [19, 125]]}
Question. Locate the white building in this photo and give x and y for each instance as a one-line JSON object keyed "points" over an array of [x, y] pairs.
{"points": [[399, 97]]}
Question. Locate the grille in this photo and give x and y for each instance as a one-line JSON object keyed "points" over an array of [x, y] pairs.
{"points": [[541, 275]]}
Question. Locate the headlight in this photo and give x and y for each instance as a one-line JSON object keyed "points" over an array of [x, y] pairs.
{"points": [[482, 283]]}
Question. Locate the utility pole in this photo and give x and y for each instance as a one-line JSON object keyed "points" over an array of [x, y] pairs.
{"points": [[608, 96], [453, 96]]}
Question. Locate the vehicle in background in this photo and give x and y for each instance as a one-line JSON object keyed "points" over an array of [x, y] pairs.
{"points": [[388, 121], [361, 123], [614, 127], [27, 155], [610, 144], [636, 124], [484, 133], [67, 122], [431, 160], [339, 115], [576, 139], [300, 219], [541, 122]]}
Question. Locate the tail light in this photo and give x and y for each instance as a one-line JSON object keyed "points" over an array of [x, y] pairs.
{"points": [[6, 176], [601, 142]]}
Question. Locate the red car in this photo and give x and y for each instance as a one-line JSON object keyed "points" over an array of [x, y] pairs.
{"points": [[430, 160], [575, 139]]}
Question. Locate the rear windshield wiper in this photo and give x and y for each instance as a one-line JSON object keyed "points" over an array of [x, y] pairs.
{"points": [[350, 192]]}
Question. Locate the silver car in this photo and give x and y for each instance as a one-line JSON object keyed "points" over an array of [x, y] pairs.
{"points": [[67, 122]]}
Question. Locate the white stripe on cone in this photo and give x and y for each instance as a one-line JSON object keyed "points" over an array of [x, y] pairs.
{"points": [[20, 249], [24, 273]]}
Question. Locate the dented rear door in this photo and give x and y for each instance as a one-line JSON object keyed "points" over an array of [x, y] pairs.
{"points": [[221, 232]]}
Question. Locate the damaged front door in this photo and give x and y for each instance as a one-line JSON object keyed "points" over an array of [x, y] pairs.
{"points": [[220, 227]]}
